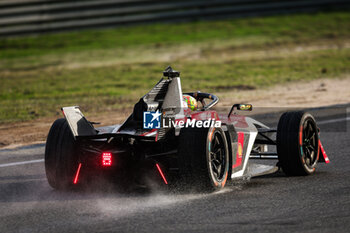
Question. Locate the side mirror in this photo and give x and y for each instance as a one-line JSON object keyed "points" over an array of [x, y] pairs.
{"points": [[242, 107]]}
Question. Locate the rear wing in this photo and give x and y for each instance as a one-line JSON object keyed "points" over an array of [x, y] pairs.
{"points": [[78, 124]]}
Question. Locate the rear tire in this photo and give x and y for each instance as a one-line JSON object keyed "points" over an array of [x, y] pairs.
{"points": [[203, 158], [61, 160], [297, 143]]}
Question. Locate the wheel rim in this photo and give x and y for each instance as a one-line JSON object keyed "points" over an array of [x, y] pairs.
{"points": [[217, 156], [309, 143]]}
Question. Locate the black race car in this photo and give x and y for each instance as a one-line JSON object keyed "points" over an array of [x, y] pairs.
{"points": [[163, 134]]}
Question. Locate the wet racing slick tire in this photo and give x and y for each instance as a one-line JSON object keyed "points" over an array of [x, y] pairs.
{"points": [[203, 158], [61, 160], [297, 143]]}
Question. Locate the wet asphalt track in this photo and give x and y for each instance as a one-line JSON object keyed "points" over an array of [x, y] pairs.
{"points": [[317, 203]]}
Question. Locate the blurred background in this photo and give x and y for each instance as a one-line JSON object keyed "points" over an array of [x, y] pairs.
{"points": [[103, 55]]}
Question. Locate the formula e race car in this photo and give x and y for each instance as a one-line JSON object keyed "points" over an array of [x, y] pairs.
{"points": [[166, 137]]}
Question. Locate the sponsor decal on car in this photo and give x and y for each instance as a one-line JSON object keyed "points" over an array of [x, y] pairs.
{"points": [[240, 150], [239, 153]]}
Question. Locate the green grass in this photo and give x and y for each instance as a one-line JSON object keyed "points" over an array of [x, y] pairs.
{"points": [[276, 28], [107, 70]]}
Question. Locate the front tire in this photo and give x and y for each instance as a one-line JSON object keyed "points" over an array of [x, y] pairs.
{"points": [[203, 157], [297, 143], [61, 159]]}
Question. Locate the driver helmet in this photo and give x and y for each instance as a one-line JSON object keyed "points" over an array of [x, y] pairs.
{"points": [[191, 102]]}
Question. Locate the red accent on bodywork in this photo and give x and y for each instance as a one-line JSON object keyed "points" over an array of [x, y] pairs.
{"points": [[205, 115], [107, 159], [151, 131], [161, 173], [237, 120], [77, 174], [239, 153], [325, 157]]}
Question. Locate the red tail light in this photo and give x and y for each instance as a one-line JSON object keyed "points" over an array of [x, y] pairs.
{"points": [[107, 159], [161, 173], [77, 174]]}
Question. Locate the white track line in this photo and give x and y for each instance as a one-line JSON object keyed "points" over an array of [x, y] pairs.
{"points": [[21, 163], [332, 121]]}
